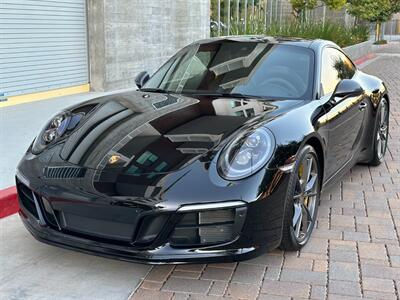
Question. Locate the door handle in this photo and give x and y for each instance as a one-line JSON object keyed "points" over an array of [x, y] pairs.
{"points": [[362, 106]]}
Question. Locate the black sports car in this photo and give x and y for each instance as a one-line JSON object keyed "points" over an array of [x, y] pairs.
{"points": [[220, 155]]}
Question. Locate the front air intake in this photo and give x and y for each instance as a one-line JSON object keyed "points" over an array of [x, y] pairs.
{"points": [[209, 227], [25, 196]]}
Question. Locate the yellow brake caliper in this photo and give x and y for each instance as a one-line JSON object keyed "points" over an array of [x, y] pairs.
{"points": [[301, 173]]}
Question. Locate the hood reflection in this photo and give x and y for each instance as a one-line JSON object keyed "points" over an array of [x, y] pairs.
{"points": [[151, 135]]}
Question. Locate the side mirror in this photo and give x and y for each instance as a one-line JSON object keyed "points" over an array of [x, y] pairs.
{"points": [[348, 88], [142, 78]]}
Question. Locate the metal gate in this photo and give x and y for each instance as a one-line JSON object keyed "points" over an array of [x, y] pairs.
{"points": [[43, 45], [234, 17], [391, 30]]}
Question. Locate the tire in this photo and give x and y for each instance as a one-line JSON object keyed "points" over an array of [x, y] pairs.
{"points": [[297, 228], [381, 133]]}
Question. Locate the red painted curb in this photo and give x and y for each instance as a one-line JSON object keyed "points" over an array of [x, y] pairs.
{"points": [[364, 58], [8, 202]]}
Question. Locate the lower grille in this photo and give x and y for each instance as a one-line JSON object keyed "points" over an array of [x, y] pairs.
{"points": [[98, 220], [26, 198], [97, 228], [216, 234], [118, 224], [36, 205], [109, 224], [208, 227]]}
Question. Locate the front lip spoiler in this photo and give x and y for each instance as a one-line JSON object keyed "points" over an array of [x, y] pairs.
{"points": [[181, 256]]}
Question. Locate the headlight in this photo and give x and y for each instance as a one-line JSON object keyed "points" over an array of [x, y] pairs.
{"points": [[246, 154], [54, 130]]}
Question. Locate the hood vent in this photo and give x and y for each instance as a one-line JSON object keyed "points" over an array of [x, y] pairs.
{"points": [[64, 172], [166, 102]]}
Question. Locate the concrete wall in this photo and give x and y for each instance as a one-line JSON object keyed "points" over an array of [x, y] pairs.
{"points": [[129, 36], [359, 50]]}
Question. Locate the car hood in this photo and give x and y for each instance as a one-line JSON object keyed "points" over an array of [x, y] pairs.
{"points": [[137, 133]]}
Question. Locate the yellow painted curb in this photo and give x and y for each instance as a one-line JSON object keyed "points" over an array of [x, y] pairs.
{"points": [[21, 99]]}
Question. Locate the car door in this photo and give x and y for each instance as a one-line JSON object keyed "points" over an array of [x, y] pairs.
{"points": [[344, 115]]}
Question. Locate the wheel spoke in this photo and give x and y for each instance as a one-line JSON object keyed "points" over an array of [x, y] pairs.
{"points": [[298, 196], [310, 194], [305, 219], [383, 145], [307, 213], [297, 216], [379, 145], [383, 115], [311, 183], [306, 172]]}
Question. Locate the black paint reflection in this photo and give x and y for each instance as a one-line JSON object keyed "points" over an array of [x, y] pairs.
{"points": [[132, 155]]}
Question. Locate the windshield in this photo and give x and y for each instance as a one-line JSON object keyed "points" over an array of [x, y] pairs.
{"points": [[256, 69]]}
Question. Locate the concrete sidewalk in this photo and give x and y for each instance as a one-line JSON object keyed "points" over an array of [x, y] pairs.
{"points": [[354, 252], [32, 270]]}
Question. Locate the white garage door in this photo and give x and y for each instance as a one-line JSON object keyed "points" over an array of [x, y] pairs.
{"points": [[43, 45]]}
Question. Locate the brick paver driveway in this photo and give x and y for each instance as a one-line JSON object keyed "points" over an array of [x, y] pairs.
{"points": [[354, 251]]}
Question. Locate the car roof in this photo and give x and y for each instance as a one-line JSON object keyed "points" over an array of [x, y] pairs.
{"points": [[300, 42]]}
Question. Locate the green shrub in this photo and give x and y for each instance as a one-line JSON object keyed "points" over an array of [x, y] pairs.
{"points": [[338, 33]]}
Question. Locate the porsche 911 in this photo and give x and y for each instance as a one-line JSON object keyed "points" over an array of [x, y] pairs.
{"points": [[220, 155]]}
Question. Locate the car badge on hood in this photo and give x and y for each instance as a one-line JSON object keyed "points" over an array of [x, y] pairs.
{"points": [[114, 159]]}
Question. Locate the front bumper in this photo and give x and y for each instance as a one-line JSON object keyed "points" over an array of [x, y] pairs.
{"points": [[163, 255], [259, 232], [256, 238]]}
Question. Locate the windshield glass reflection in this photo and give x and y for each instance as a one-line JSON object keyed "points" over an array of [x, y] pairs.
{"points": [[250, 68]]}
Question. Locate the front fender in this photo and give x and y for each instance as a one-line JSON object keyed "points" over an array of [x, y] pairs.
{"points": [[294, 129]]}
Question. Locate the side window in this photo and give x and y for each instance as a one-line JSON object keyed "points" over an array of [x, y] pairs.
{"points": [[335, 67], [344, 66]]}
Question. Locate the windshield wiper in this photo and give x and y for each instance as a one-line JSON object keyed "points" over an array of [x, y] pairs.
{"points": [[211, 94], [229, 95], [239, 95], [155, 90]]}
